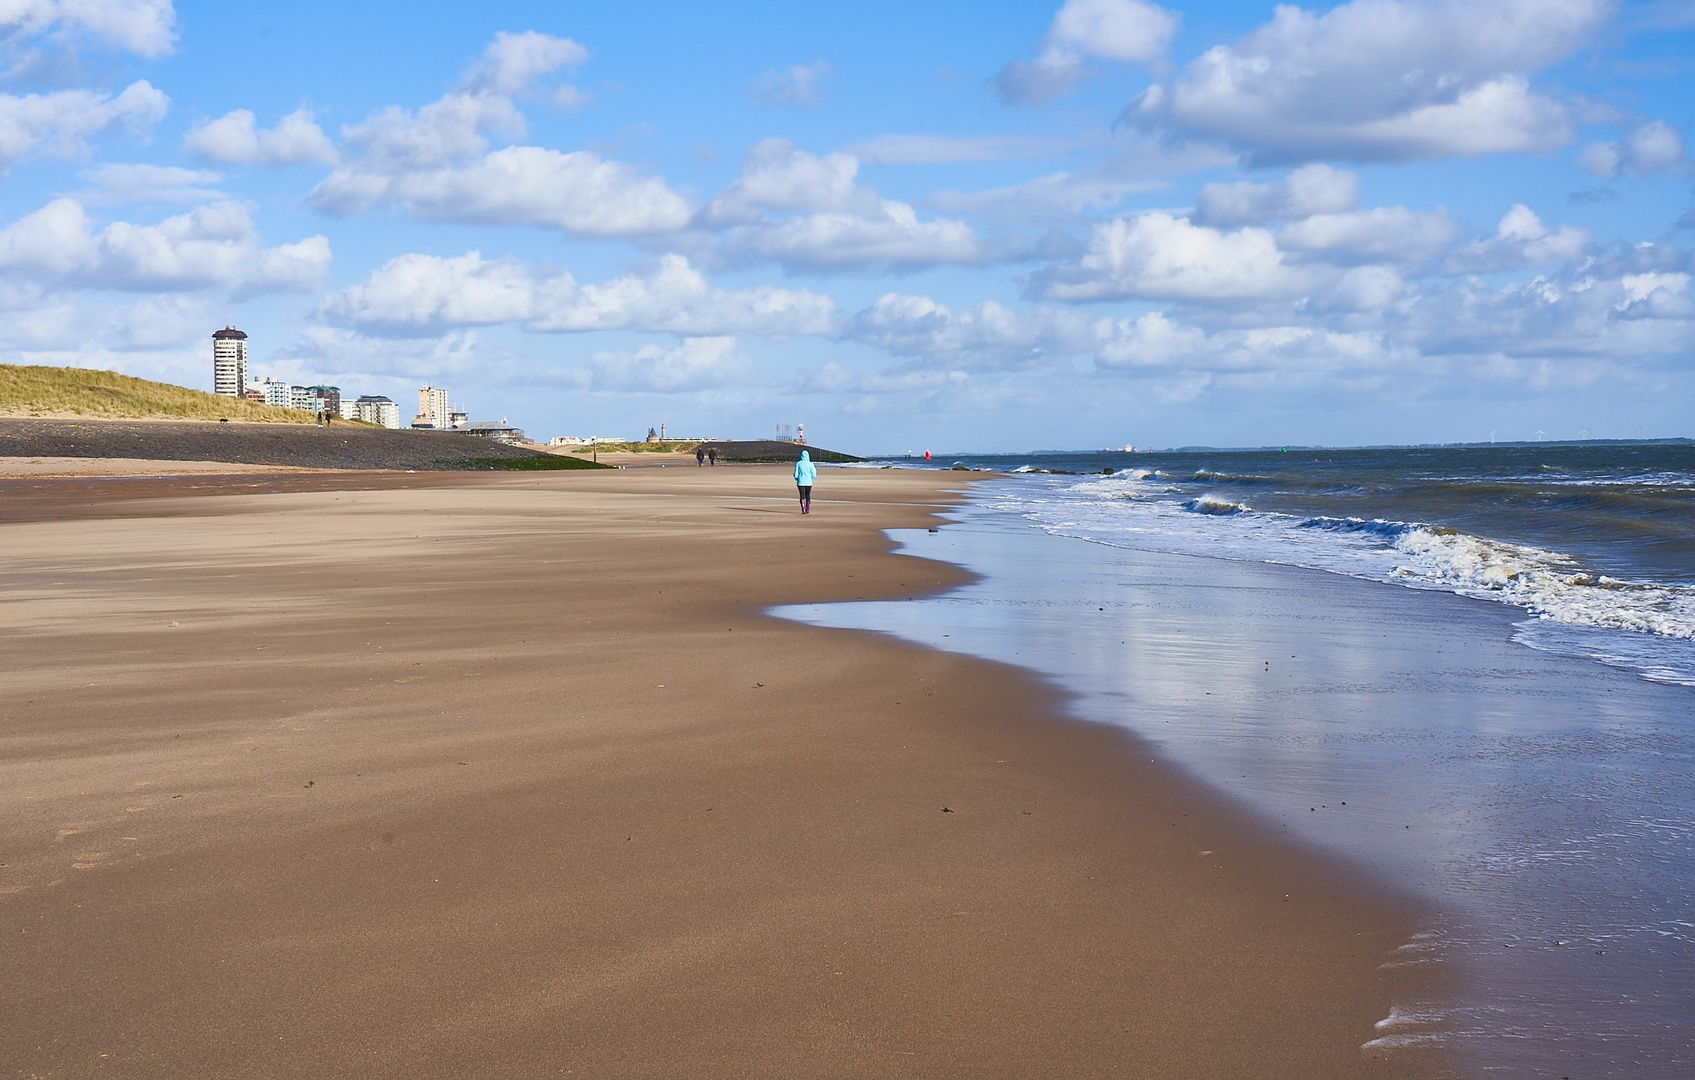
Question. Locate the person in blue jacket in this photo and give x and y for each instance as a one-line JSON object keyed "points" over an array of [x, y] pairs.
{"points": [[805, 473]]}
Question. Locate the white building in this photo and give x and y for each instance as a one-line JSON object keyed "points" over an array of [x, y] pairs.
{"points": [[301, 397], [375, 409], [229, 362], [278, 393], [433, 411]]}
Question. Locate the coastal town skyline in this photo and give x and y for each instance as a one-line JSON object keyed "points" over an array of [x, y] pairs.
{"points": [[1071, 225]]}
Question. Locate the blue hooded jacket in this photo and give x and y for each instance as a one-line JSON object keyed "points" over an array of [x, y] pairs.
{"points": [[805, 471]]}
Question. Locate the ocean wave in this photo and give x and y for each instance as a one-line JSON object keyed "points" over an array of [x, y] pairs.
{"points": [[1211, 476], [1212, 504], [1547, 584], [1139, 510]]}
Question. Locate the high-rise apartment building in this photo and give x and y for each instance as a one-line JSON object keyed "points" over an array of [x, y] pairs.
{"points": [[229, 362], [278, 392], [326, 399], [376, 409], [432, 409]]}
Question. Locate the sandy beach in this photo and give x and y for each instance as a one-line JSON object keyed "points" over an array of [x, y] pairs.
{"points": [[497, 775]]}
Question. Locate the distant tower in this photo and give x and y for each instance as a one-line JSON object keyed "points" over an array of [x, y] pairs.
{"points": [[432, 409], [229, 362]]}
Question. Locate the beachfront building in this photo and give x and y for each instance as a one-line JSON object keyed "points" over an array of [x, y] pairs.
{"points": [[229, 362], [376, 409], [300, 397], [433, 411], [326, 399], [278, 393], [501, 432]]}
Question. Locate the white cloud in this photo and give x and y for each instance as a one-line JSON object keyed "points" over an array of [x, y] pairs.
{"points": [[152, 183], [832, 222], [1144, 165], [436, 166], [776, 176], [919, 326], [893, 236], [234, 139], [162, 321], [673, 296], [452, 127], [1152, 340], [61, 123], [1310, 189], [1380, 80], [1159, 257], [1653, 147], [1520, 240], [697, 363], [579, 192], [1127, 31], [1364, 288], [798, 84], [422, 293], [426, 292], [144, 27], [512, 63], [213, 247], [1384, 233]]}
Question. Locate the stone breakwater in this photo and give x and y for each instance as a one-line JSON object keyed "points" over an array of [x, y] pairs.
{"points": [[335, 447]]}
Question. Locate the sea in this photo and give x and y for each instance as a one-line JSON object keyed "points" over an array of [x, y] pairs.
{"points": [[1467, 671]]}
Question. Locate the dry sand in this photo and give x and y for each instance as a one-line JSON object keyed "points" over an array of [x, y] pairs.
{"points": [[509, 777]]}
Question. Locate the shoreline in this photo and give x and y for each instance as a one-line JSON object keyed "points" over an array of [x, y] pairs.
{"points": [[1529, 799], [515, 771]]}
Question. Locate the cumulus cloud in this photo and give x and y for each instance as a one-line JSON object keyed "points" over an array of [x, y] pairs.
{"points": [[1127, 31], [673, 296], [1380, 80], [234, 138], [512, 63], [808, 212], [1520, 240], [144, 27], [798, 84], [1151, 340], [61, 123], [1143, 165], [213, 247], [579, 192], [1310, 189], [1654, 147], [698, 363], [151, 183], [452, 127], [435, 163], [1385, 233], [424, 293], [919, 326], [1157, 256]]}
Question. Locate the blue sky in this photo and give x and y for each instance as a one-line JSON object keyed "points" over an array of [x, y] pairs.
{"points": [[1039, 225]]}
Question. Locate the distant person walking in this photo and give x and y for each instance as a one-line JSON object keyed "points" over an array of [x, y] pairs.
{"points": [[699, 457], [712, 457], [805, 473]]}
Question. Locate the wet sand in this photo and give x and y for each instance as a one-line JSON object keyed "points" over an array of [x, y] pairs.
{"points": [[509, 776]]}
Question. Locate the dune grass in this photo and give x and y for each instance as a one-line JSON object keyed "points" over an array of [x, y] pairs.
{"points": [[106, 395]]}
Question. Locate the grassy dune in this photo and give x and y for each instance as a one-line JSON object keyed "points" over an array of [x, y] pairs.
{"points": [[106, 395]]}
